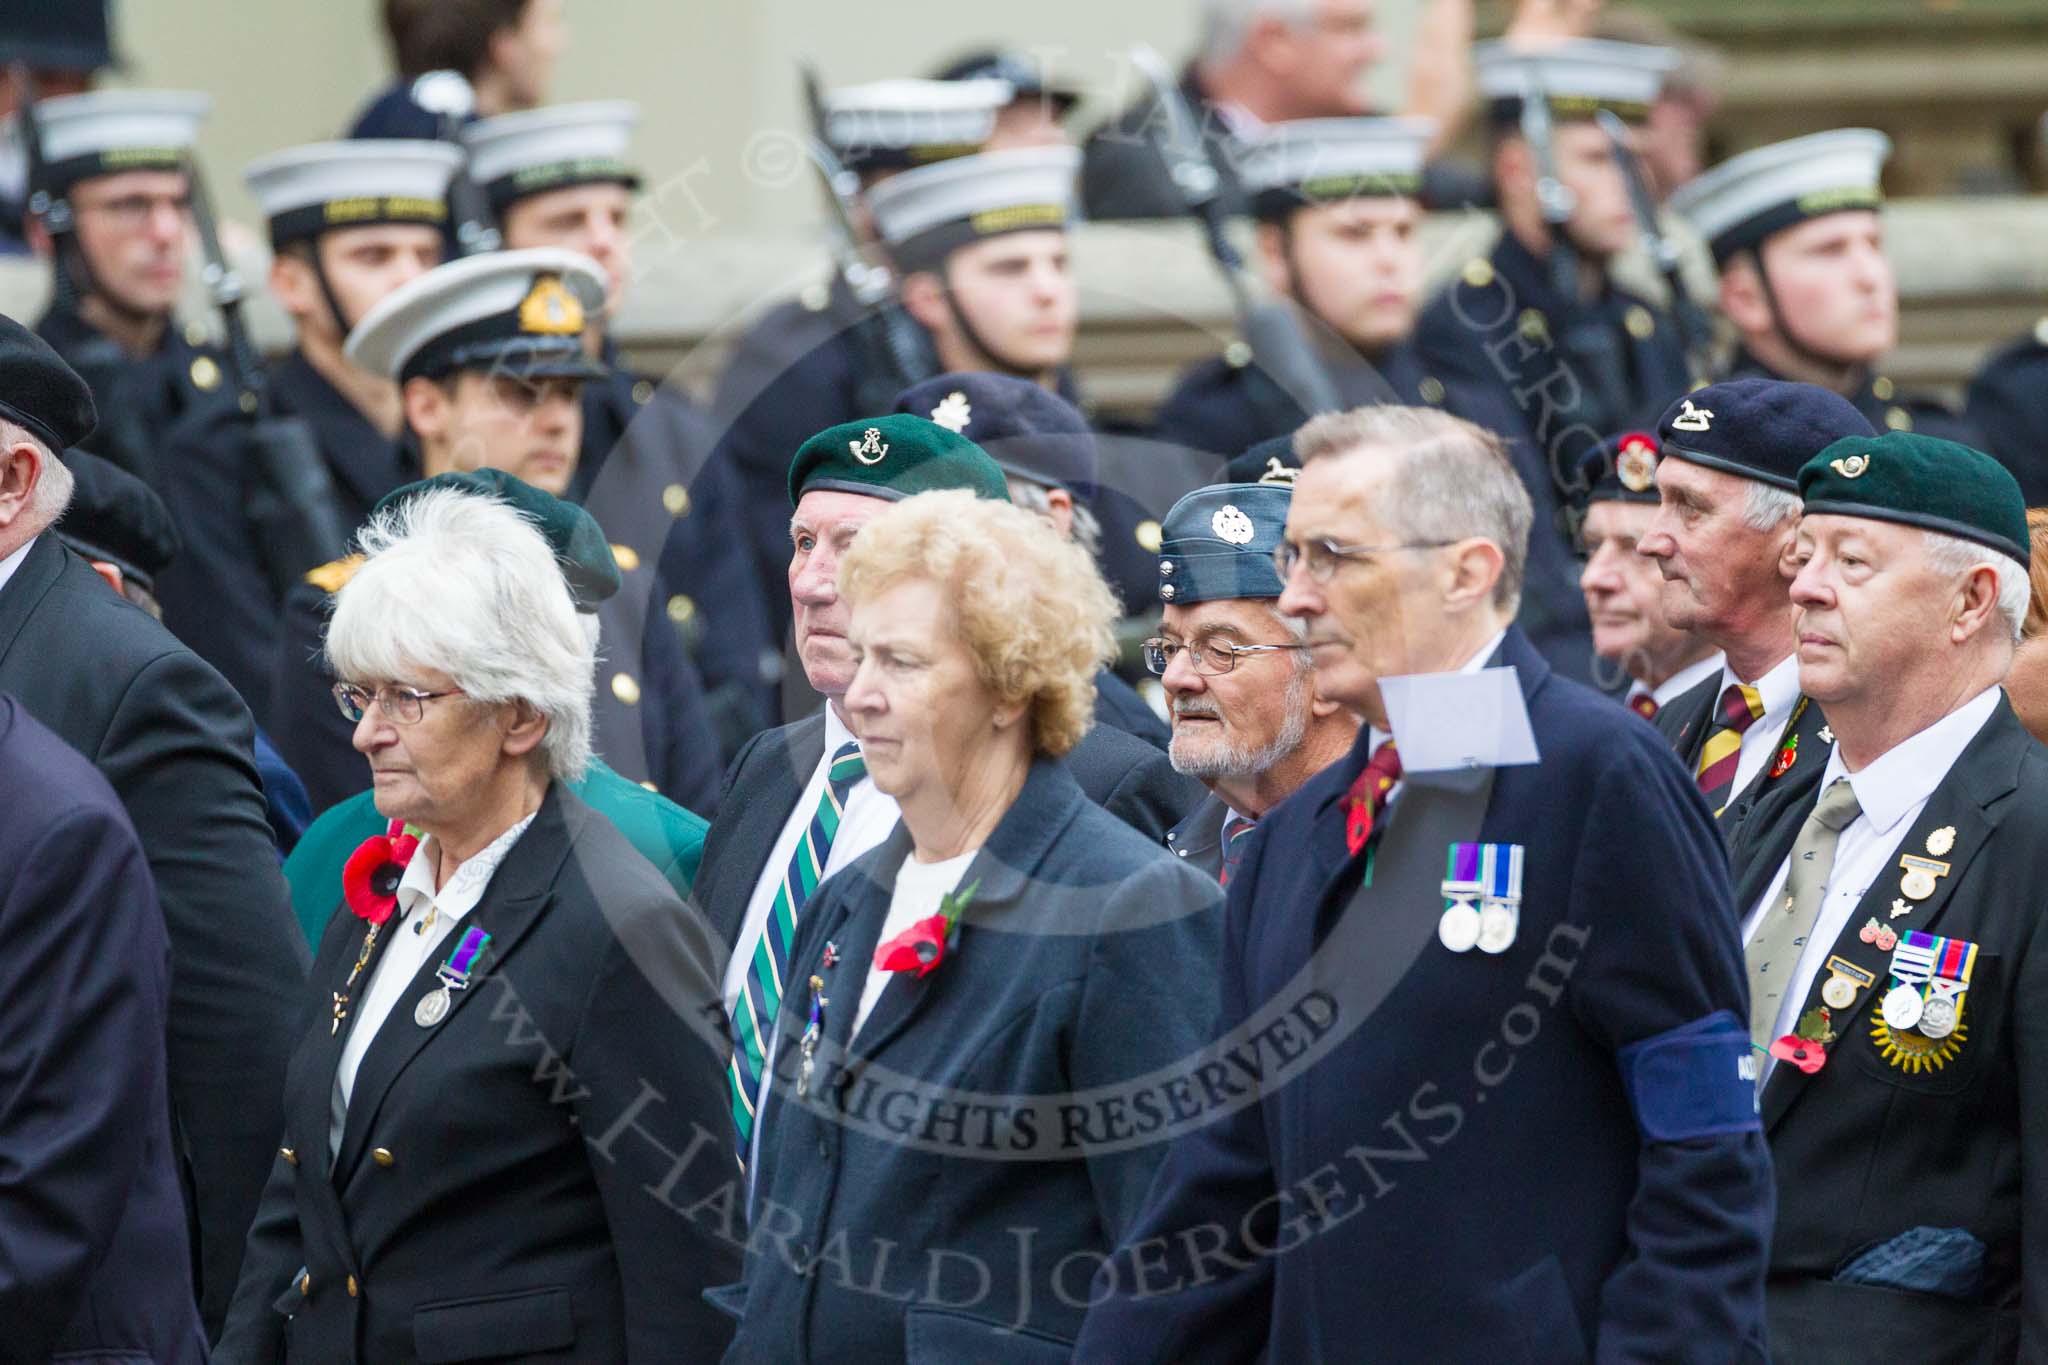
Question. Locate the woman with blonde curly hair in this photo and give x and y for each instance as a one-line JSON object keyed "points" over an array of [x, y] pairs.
{"points": [[968, 1094]]}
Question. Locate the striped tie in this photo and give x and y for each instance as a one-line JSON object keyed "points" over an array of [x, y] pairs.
{"points": [[753, 1018], [1741, 707]]}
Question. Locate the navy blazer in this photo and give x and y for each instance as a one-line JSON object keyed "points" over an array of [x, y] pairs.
{"points": [[1474, 1158], [513, 1181], [94, 1261], [962, 1127]]}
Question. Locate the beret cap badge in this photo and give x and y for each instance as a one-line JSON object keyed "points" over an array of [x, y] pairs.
{"points": [[1692, 418], [870, 448], [1850, 466]]}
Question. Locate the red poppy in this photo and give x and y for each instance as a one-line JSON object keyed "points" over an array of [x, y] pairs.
{"points": [[1805, 1053], [920, 948], [369, 880]]}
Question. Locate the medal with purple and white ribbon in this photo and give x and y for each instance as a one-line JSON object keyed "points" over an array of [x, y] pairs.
{"points": [[453, 975]]}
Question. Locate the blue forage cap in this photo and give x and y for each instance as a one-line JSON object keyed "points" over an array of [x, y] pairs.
{"points": [[1217, 542], [1032, 433], [1762, 429]]}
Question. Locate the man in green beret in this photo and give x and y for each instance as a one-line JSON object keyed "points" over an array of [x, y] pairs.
{"points": [[797, 804], [1896, 962]]}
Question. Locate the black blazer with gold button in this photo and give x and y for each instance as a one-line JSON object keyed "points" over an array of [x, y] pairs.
{"points": [[510, 1182]]}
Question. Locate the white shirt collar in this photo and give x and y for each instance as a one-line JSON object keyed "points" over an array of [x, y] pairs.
{"points": [[13, 561], [1779, 687], [1685, 680], [1902, 778], [465, 886]]}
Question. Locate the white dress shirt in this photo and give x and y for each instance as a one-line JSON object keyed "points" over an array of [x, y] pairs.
{"points": [[413, 940], [1779, 689], [13, 562], [865, 822], [1681, 682], [919, 888], [1892, 790], [1471, 665]]}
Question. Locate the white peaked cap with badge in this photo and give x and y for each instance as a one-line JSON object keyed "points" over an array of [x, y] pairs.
{"points": [[1297, 152], [975, 187], [103, 121], [459, 293], [362, 169], [564, 133], [1589, 69], [912, 113], [1841, 168]]}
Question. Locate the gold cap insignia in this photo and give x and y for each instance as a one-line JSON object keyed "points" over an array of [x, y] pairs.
{"points": [[549, 309], [870, 448], [1691, 418], [1277, 472], [1850, 466], [1637, 467], [955, 413], [1231, 525]]}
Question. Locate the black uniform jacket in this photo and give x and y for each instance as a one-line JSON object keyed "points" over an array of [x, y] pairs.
{"points": [[1412, 1154], [511, 1182], [175, 743], [1871, 1147], [1084, 962], [94, 1262]]}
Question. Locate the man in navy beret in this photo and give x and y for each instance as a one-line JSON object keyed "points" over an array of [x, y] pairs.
{"points": [[1248, 719], [1893, 925], [1727, 484]]}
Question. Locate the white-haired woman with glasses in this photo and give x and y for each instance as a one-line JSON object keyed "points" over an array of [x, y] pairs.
{"points": [[465, 1178]]}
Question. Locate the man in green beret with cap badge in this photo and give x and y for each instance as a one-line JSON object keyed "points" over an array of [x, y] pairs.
{"points": [[1893, 926], [1240, 679], [776, 789]]}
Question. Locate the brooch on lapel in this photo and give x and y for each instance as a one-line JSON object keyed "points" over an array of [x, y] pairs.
{"points": [[1920, 1026]]}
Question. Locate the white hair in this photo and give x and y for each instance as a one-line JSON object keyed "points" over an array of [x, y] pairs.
{"points": [[1766, 507], [462, 584], [1227, 23], [54, 481], [1956, 557], [1037, 498]]}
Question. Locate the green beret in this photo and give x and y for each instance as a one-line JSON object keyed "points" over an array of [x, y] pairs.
{"points": [[573, 534], [894, 457], [1919, 481]]}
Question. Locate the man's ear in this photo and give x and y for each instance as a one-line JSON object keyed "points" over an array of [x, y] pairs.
{"points": [[924, 298]]}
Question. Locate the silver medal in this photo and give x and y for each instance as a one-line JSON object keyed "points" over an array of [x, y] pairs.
{"points": [[1902, 1007], [432, 1008], [1938, 1018], [1458, 930], [1497, 925]]}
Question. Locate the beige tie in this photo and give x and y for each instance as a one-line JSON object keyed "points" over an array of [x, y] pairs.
{"points": [[1773, 954]]}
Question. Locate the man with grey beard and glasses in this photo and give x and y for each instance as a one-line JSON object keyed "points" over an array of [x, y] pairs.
{"points": [[1247, 719]]}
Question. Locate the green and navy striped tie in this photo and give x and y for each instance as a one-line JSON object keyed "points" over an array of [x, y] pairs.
{"points": [[754, 1014]]}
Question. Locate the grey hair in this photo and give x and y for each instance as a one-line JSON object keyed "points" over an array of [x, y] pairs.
{"points": [[462, 584], [1955, 557], [1766, 507], [54, 481], [1036, 498], [1454, 481], [1227, 23]]}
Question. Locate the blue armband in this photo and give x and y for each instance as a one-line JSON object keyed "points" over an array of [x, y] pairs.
{"points": [[1693, 1081]]}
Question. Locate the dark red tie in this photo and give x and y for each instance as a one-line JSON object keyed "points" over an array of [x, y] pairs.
{"points": [[1234, 830], [1367, 797], [1644, 705]]}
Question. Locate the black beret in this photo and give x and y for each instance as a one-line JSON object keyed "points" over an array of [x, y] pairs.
{"points": [[894, 457], [116, 517], [573, 534], [1762, 429], [1920, 481], [1026, 429], [1620, 469], [39, 391], [1270, 461]]}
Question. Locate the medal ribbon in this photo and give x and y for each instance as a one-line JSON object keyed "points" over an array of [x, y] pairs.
{"points": [[454, 973]]}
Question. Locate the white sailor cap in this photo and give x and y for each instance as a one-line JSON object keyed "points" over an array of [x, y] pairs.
{"points": [[1321, 159], [105, 132], [515, 312], [889, 125], [924, 214], [1748, 197], [1579, 76], [536, 150], [305, 191]]}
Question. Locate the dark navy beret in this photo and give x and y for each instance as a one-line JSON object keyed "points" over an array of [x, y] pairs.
{"points": [[1621, 469], [1920, 481], [1032, 433], [1762, 429], [573, 534], [1270, 461], [1217, 542], [116, 517], [39, 391]]}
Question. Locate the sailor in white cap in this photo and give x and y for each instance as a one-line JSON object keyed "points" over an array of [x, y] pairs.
{"points": [[1805, 279], [1337, 207], [812, 362], [109, 204], [1573, 356], [563, 177], [488, 355]]}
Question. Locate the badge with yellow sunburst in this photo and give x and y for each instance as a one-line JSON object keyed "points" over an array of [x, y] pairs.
{"points": [[550, 309]]}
